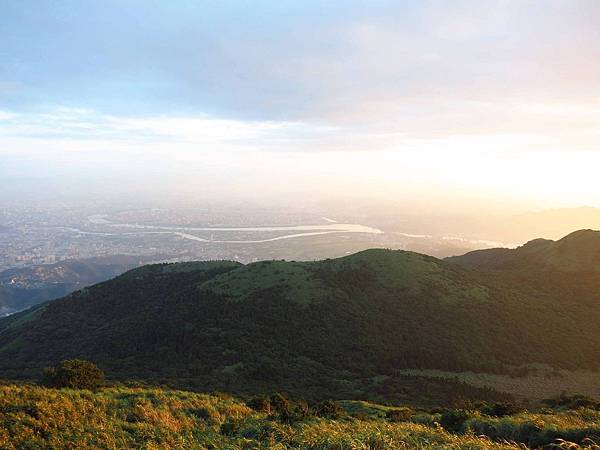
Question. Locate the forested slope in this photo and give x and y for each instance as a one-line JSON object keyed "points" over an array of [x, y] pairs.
{"points": [[343, 326]]}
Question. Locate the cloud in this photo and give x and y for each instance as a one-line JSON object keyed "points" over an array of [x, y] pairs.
{"points": [[86, 126], [306, 61], [497, 126], [368, 92]]}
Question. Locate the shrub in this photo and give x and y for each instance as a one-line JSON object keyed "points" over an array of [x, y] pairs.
{"points": [[75, 374], [531, 434], [230, 427], [328, 409], [500, 409], [261, 404], [453, 420], [399, 414], [572, 402], [261, 430], [288, 411]]}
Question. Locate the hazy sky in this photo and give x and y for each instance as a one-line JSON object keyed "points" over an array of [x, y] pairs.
{"points": [[488, 101]]}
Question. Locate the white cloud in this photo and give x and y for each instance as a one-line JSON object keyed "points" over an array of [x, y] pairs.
{"points": [[491, 125], [81, 130]]}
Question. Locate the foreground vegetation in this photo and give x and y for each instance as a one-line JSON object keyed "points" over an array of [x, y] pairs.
{"points": [[33, 417]]}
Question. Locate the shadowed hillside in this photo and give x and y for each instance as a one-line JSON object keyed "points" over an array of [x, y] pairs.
{"points": [[344, 326], [576, 253], [24, 287]]}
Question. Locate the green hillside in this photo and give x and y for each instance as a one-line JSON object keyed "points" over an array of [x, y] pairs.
{"points": [[346, 327], [566, 271]]}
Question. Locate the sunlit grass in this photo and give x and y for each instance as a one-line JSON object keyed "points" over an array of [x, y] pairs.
{"points": [[32, 417]]}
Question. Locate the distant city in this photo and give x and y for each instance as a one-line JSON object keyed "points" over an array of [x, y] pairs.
{"points": [[31, 236], [48, 251]]}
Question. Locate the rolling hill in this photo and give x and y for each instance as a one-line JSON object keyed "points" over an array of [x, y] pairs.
{"points": [[22, 288], [566, 270], [577, 252], [343, 327]]}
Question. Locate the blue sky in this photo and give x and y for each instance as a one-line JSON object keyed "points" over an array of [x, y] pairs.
{"points": [[284, 60], [442, 88], [141, 57]]}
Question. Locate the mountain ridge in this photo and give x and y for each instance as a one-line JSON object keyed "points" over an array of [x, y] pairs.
{"points": [[24, 287], [334, 326], [577, 251]]}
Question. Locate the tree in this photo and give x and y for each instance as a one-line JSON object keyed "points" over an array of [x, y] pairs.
{"points": [[75, 374]]}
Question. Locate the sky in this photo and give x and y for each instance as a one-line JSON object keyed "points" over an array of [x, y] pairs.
{"points": [[447, 103]]}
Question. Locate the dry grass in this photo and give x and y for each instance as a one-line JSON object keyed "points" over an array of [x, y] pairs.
{"points": [[33, 417]]}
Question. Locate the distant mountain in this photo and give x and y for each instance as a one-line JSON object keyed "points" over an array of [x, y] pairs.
{"points": [[577, 252], [24, 287], [342, 327]]}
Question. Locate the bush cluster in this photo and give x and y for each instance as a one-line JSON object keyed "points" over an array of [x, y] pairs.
{"points": [[74, 374], [286, 410]]}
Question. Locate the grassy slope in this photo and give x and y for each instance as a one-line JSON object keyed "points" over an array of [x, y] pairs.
{"points": [[119, 417], [390, 269]]}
